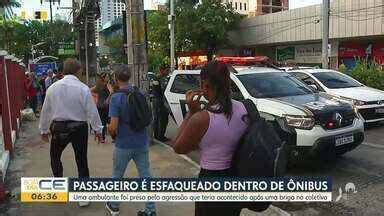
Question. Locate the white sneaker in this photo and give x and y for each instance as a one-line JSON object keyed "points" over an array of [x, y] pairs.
{"points": [[84, 203]]}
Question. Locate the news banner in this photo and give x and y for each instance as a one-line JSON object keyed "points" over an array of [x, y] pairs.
{"points": [[293, 189]]}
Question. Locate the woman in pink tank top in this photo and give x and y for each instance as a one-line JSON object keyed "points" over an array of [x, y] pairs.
{"points": [[215, 130]]}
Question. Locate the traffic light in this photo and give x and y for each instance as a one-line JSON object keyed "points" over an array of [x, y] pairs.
{"points": [[44, 15], [41, 15], [38, 15]]}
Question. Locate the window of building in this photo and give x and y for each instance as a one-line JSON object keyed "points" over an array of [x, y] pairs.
{"points": [[235, 5], [245, 6], [241, 6]]}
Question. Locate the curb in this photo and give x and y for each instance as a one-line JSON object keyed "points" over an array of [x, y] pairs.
{"points": [[373, 145], [271, 210]]}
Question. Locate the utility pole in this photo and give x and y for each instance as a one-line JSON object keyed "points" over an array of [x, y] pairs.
{"points": [[86, 51], [84, 20], [136, 43], [171, 19], [325, 59], [50, 10]]}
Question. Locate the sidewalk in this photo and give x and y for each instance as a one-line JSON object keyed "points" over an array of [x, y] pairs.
{"points": [[32, 159]]}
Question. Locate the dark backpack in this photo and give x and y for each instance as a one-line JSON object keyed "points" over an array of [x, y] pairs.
{"points": [[139, 114], [260, 153]]}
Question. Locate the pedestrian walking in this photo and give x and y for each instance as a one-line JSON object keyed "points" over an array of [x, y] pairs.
{"points": [[49, 80], [101, 94], [131, 142], [31, 87], [58, 75], [161, 112], [67, 108], [215, 130], [42, 87]]}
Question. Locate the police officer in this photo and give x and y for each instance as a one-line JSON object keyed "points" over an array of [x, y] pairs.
{"points": [[160, 110]]}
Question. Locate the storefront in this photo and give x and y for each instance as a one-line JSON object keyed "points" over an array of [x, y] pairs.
{"points": [[378, 52], [190, 60], [304, 54], [350, 52]]}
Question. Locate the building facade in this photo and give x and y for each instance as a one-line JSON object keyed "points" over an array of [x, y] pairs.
{"points": [[356, 30], [110, 10], [258, 7]]}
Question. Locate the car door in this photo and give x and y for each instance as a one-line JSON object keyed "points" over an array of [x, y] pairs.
{"points": [[175, 92]]}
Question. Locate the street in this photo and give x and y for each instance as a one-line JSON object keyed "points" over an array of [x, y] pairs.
{"points": [[363, 166]]}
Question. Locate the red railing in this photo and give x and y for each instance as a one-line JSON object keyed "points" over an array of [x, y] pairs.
{"points": [[12, 96]]}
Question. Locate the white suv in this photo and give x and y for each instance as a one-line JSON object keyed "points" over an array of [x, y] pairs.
{"points": [[369, 101], [308, 122]]}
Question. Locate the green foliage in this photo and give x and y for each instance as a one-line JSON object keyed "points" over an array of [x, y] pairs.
{"points": [[104, 62], [198, 27], [18, 37], [9, 3], [369, 73], [214, 21], [342, 68], [115, 44], [158, 39]]}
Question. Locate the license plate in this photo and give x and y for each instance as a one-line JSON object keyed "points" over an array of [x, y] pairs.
{"points": [[345, 139], [380, 110]]}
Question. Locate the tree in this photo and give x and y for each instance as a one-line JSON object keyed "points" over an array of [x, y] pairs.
{"points": [[115, 44], [7, 5], [215, 20], [158, 39], [18, 38], [201, 26]]}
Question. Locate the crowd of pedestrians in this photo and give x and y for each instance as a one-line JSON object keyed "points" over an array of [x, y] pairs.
{"points": [[37, 85], [70, 106]]}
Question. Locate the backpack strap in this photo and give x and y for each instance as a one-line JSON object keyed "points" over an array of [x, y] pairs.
{"points": [[251, 108]]}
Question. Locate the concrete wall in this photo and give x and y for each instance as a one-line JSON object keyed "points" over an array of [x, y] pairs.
{"points": [[349, 18]]}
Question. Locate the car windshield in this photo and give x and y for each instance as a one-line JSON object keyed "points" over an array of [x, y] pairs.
{"points": [[336, 80], [273, 85]]}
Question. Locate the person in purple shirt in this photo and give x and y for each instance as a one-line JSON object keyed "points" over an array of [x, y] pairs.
{"points": [[129, 144], [215, 130]]}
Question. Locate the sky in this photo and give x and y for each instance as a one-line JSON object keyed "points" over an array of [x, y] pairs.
{"points": [[33, 5]]}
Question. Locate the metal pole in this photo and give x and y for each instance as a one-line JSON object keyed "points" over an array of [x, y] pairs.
{"points": [[172, 33], [86, 50], [137, 45], [129, 32], [50, 9], [325, 60], [33, 54]]}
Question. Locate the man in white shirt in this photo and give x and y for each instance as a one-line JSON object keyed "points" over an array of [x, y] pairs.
{"points": [[67, 109]]}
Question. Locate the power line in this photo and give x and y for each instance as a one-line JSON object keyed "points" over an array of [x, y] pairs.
{"points": [[282, 30], [278, 22], [359, 20], [307, 17], [359, 9]]}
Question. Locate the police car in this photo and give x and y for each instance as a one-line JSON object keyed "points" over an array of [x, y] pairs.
{"points": [[308, 122], [369, 101]]}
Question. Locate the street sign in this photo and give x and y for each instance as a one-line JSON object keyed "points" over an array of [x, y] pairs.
{"points": [[39, 69], [285, 53], [67, 49]]}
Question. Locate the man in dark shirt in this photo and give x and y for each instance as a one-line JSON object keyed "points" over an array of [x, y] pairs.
{"points": [[161, 112], [129, 144]]}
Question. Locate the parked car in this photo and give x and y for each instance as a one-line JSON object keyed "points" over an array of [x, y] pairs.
{"points": [[369, 101], [308, 122]]}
